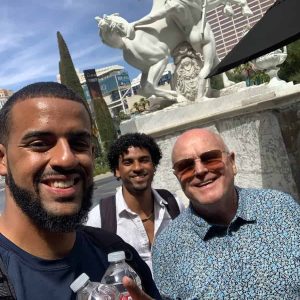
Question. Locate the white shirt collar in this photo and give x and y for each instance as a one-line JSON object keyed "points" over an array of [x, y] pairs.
{"points": [[122, 206]]}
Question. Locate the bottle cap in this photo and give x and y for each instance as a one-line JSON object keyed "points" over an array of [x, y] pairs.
{"points": [[116, 256], [79, 282]]}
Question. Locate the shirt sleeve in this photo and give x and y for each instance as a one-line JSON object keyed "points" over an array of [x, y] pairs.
{"points": [[179, 202], [94, 218]]}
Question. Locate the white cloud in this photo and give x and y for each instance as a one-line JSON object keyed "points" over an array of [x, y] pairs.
{"points": [[11, 36], [85, 51], [28, 44]]}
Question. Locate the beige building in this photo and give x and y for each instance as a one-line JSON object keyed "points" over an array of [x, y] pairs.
{"points": [[228, 31], [4, 95]]}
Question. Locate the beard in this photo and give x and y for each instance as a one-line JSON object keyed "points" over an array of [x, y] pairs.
{"points": [[137, 187], [31, 204]]}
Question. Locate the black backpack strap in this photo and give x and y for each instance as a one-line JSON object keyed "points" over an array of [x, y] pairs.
{"points": [[107, 208], [172, 206], [110, 242], [7, 291]]}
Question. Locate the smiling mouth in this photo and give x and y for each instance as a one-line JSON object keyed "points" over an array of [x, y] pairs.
{"points": [[205, 183], [139, 176], [62, 183]]}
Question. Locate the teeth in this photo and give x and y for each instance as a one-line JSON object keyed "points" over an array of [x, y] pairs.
{"points": [[62, 184], [206, 182]]}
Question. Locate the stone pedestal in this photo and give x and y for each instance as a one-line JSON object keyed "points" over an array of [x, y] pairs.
{"points": [[261, 124]]}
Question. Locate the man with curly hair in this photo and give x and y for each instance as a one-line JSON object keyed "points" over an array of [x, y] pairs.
{"points": [[139, 212]]}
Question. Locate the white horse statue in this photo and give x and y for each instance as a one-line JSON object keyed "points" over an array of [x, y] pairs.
{"points": [[148, 43]]}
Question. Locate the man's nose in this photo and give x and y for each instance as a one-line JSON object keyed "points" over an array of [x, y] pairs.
{"points": [[200, 168], [63, 156], [137, 166]]}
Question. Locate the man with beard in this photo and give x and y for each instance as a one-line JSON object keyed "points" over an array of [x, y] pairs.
{"points": [[46, 156], [137, 213], [231, 242]]}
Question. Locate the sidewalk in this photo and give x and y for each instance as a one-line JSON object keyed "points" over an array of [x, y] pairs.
{"points": [[101, 176]]}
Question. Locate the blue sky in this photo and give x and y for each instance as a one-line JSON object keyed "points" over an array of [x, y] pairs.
{"points": [[28, 43]]}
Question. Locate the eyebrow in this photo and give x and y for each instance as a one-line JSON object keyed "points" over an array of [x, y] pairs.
{"points": [[40, 134], [140, 157]]}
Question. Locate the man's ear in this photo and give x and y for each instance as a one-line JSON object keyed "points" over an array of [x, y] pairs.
{"points": [[94, 154], [3, 160], [117, 173], [232, 158]]}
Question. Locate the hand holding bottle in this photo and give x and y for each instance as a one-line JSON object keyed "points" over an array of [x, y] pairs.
{"points": [[135, 292]]}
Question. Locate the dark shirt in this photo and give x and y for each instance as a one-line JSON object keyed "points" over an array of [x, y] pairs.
{"points": [[36, 278]]}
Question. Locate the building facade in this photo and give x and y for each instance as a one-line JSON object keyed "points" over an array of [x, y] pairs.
{"points": [[4, 95], [228, 31], [115, 86]]}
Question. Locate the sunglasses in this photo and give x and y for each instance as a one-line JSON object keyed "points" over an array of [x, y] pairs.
{"points": [[212, 160]]}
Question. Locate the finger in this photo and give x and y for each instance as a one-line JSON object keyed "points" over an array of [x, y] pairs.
{"points": [[135, 292]]}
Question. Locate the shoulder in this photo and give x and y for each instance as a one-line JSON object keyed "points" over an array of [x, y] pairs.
{"points": [[166, 194], [108, 241], [260, 195], [94, 218], [270, 201], [174, 234], [101, 237]]}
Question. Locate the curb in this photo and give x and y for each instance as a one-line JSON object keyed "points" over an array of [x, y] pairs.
{"points": [[101, 176]]}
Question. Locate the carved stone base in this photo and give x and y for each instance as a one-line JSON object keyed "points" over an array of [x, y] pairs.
{"points": [[185, 78], [260, 124]]}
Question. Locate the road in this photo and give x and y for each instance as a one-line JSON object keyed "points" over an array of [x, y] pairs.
{"points": [[104, 187]]}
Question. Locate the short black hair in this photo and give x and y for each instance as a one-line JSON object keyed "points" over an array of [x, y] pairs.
{"points": [[139, 140], [35, 90]]}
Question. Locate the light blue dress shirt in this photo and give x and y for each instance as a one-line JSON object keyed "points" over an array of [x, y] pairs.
{"points": [[256, 257]]}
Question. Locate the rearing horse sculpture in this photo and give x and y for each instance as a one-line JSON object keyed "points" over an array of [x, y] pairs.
{"points": [[148, 47]]}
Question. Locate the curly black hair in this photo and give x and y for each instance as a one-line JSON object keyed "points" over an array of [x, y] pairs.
{"points": [[140, 140]]}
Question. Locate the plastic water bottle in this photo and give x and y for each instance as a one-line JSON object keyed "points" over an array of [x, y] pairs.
{"points": [[117, 269], [87, 290]]}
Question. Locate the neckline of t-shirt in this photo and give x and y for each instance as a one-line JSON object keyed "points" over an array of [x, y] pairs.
{"points": [[37, 262]]}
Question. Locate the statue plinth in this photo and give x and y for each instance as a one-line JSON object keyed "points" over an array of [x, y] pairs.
{"points": [[259, 123]]}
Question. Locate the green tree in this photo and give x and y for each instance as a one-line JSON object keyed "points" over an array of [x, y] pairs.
{"points": [[290, 69], [141, 106], [136, 107], [62, 79], [144, 103], [216, 82], [249, 74], [67, 71], [69, 77], [105, 123]]}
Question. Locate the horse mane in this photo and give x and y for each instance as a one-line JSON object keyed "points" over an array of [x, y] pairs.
{"points": [[112, 23]]}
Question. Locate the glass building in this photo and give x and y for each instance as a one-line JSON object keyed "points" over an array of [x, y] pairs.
{"points": [[115, 86]]}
